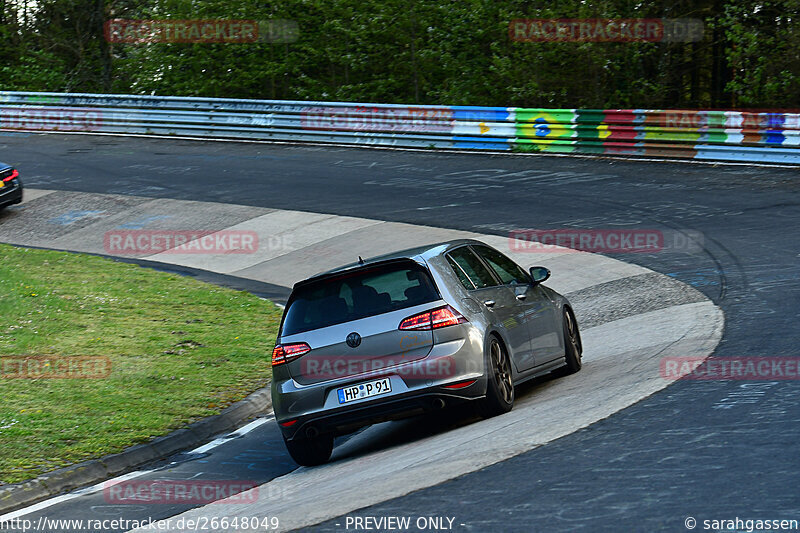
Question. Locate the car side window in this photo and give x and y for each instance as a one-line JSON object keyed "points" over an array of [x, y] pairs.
{"points": [[506, 269], [465, 263], [462, 277]]}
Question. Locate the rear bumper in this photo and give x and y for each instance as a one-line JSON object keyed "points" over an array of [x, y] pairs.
{"points": [[415, 387], [348, 419], [11, 194]]}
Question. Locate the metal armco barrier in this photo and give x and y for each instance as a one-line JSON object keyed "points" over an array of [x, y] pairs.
{"points": [[704, 135]]}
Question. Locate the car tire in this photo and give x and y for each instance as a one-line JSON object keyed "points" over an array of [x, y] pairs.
{"points": [[310, 451], [500, 385], [573, 349]]}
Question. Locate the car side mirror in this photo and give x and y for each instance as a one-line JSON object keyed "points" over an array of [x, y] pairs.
{"points": [[539, 274]]}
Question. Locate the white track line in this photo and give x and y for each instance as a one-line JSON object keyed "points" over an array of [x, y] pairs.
{"points": [[230, 436], [69, 496], [103, 484]]}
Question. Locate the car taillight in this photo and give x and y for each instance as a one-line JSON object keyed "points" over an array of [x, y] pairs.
{"points": [[283, 353], [14, 174], [460, 384], [436, 318]]}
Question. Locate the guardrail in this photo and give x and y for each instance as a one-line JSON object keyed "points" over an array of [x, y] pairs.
{"points": [[770, 137]]}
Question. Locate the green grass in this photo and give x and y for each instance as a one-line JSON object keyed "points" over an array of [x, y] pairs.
{"points": [[179, 350]]}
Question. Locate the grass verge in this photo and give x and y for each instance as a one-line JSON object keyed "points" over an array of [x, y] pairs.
{"points": [[177, 349]]}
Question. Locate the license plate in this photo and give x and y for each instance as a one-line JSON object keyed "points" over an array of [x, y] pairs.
{"points": [[364, 390], [2, 184]]}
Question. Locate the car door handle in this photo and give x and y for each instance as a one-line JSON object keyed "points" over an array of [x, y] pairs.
{"points": [[489, 303], [521, 297]]}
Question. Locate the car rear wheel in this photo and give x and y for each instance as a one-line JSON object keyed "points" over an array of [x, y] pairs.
{"points": [[311, 451], [572, 343], [500, 387]]}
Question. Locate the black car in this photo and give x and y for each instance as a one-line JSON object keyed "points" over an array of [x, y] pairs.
{"points": [[10, 186]]}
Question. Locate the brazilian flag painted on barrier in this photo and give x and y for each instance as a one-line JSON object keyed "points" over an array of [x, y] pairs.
{"points": [[546, 130]]}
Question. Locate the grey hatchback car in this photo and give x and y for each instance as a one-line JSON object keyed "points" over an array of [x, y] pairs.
{"points": [[411, 332]]}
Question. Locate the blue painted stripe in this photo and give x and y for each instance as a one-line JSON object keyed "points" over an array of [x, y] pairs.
{"points": [[774, 137], [481, 143], [480, 114], [775, 120]]}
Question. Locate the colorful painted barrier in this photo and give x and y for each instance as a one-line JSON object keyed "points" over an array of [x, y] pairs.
{"points": [[764, 137], [724, 135]]}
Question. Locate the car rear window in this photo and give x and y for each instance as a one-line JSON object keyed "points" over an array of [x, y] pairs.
{"points": [[368, 292]]}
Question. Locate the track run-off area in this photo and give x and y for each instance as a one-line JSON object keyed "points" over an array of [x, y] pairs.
{"points": [[613, 447]]}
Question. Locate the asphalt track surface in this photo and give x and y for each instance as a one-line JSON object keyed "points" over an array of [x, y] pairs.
{"points": [[709, 450]]}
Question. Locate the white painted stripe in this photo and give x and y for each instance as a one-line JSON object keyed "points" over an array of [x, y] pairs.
{"points": [[132, 475], [244, 430], [234, 435], [72, 495]]}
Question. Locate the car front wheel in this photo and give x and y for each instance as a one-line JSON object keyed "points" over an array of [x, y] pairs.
{"points": [[572, 344]]}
